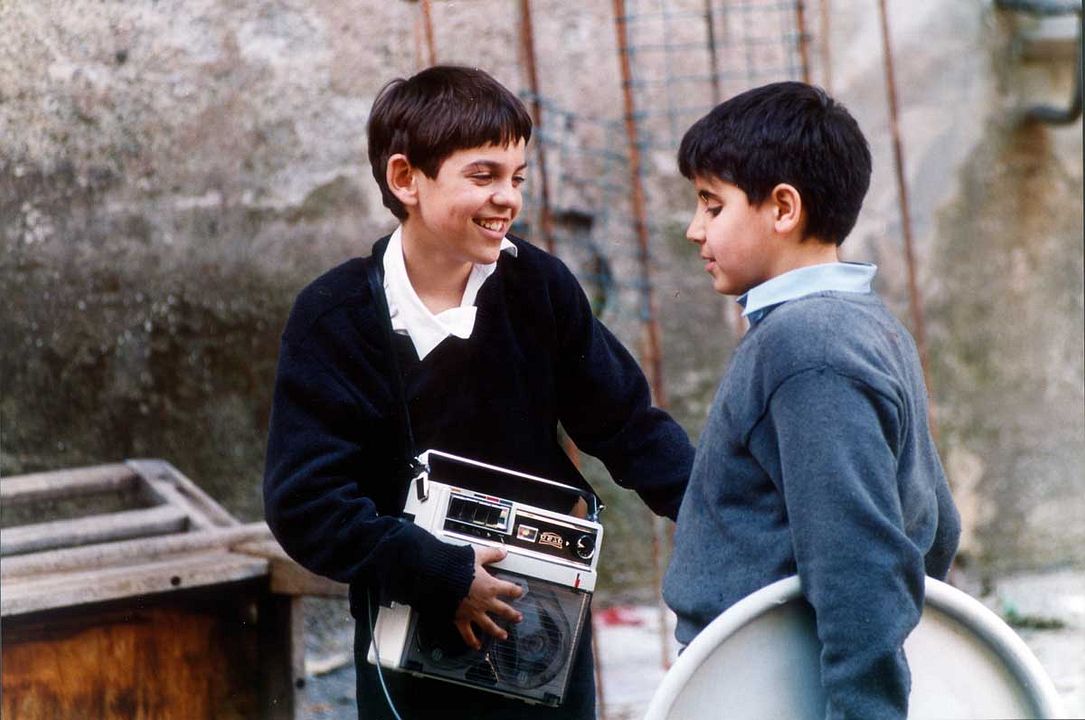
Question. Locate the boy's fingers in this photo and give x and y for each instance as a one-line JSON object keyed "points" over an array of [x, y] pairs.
{"points": [[468, 634], [487, 555], [506, 611], [487, 624], [508, 589]]}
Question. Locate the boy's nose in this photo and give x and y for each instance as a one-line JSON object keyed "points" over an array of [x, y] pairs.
{"points": [[506, 197], [695, 232]]}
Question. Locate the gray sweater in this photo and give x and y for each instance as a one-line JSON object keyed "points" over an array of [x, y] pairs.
{"points": [[817, 459]]}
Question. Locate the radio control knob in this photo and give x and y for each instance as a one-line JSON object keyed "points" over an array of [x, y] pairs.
{"points": [[585, 546]]}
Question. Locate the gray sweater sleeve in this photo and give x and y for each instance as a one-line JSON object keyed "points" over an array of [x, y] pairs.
{"points": [[830, 444]]}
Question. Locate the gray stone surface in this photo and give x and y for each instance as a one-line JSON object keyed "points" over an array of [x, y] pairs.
{"points": [[1048, 608], [172, 172]]}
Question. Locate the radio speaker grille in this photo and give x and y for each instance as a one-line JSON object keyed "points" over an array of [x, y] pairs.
{"points": [[533, 663]]}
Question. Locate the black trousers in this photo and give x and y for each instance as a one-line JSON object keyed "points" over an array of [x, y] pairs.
{"points": [[423, 698]]}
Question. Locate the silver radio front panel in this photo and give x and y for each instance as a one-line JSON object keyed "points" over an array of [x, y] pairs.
{"points": [[552, 556]]}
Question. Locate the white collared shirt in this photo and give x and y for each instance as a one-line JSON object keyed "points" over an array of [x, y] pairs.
{"points": [[838, 276], [409, 314]]}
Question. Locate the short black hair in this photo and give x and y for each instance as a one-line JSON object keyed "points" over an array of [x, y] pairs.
{"points": [[436, 112], [786, 132]]}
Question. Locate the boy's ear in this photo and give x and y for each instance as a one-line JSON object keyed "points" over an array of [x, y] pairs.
{"points": [[786, 204], [400, 176]]}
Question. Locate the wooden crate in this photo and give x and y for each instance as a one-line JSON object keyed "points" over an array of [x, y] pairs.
{"points": [[164, 606]]}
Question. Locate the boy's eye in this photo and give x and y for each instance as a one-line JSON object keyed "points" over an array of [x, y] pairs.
{"points": [[713, 210], [482, 177], [518, 180]]}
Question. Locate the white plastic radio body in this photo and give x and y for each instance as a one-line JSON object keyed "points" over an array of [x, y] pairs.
{"points": [[552, 555]]}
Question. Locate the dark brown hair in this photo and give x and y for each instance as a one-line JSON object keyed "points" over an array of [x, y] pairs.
{"points": [[436, 112]]}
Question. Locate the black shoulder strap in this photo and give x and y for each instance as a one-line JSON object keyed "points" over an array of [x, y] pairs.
{"points": [[410, 464]]}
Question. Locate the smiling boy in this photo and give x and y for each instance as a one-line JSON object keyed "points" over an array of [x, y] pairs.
{"points": [[496, 344], [816, 457]]}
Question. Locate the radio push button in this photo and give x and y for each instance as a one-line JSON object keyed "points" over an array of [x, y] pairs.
{"points": [[460, 509]]}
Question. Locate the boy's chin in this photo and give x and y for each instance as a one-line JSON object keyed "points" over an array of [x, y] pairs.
{"points": [[485, 257], [723, 287], [488, 254]]}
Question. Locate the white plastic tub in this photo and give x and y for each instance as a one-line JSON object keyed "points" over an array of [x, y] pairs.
{"points": [[759, 659]]}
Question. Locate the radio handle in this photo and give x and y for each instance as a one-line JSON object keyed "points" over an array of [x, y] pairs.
{"points": [[597, 507], [420, 478]]}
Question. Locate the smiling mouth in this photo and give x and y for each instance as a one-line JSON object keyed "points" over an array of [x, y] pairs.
{"points": [[492, 225]]}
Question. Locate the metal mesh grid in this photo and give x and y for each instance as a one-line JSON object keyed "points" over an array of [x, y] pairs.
{"points": [[684, 57]]}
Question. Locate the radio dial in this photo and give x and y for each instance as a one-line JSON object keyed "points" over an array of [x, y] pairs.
{"points": [[585, 546]]}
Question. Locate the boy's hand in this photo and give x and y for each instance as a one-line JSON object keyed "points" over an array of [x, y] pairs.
{"points": [[483, 597]]}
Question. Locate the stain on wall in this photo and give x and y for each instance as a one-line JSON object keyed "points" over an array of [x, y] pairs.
{"points": [[1007, 346], [172, 174]]}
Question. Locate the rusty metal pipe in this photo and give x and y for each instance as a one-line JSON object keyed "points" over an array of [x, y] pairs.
{"points": [[427, 24], [527, 38], [826, 47], [915, 303], [713, 55], [651, 356], [804, 39]]}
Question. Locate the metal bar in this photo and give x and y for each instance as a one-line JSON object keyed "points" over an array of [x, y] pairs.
{"points": [[637, 51], [527, 37], [1041, 7], [650, 348], [713, 54], [419, 58], [546, 223], [667, 82], [667, 69], [427, 24], [804, 39], [826, 54], [914, 302], [652, 359], [648, 15], [746, 22]]}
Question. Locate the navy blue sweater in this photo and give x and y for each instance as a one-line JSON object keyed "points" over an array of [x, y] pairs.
{"points": [[817, 459], [537, 357]]}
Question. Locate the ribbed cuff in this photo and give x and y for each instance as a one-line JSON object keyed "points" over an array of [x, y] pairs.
{"points": [[445, 575]]}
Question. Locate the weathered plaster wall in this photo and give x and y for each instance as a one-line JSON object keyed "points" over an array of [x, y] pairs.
{"points": [[1007, 300], [998, 211], [172, 172]]}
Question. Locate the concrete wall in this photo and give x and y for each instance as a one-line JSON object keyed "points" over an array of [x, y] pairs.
{"points": [[171, 173]]}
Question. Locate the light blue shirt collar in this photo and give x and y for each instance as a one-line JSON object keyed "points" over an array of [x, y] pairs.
{"points": [[837, 276]]}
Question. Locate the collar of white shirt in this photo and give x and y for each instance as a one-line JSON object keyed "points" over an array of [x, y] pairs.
{"points": [[839, 276], [409, 314]]}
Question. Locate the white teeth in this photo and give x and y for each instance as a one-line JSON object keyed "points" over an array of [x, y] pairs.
{"points": [[490, 224]]}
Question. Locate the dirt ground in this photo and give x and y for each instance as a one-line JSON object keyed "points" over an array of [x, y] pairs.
{"points": [[1046, 608]]}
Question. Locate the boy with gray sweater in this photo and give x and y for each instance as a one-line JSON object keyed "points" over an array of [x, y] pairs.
{"points": [[817, 457]]}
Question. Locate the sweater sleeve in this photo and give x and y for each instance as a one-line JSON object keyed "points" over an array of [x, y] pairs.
{"points": [[322, 481], [605, 405], [829, 444]]}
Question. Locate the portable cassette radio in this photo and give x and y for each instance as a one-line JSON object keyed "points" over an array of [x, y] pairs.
{"points": [[552, 556]]}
